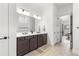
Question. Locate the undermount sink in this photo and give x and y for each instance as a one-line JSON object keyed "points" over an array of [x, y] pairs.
{"points": [[24, 33]]}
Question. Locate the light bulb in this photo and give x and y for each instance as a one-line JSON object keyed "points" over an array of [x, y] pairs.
{"points": [[26, 13], [35, 16], [19, 10], [39, 17]]}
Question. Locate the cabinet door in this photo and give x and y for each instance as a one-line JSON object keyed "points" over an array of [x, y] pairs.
{"points": [[22, 46], [40, 40], [44, 39], [25, 45], [19, 45], [33, 43]]}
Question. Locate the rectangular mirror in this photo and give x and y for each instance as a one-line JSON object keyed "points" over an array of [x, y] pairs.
{"points": [[25, 24]]}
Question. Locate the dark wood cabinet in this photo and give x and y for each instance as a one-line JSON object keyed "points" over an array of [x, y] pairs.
{"points": [[40, 40], [22, 45], [29, 43], [33, 43], [19, 45], [44, 39], [25, 45]]}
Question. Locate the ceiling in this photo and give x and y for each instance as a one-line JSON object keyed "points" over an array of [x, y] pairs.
{"points": [[34, 7], [38, 7], [62, 5]]}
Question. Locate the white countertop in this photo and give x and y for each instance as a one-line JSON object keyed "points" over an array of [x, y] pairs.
{"points": [[29, 34]]}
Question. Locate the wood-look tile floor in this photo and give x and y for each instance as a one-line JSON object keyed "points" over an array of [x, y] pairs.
{"points": [[61, 49]]}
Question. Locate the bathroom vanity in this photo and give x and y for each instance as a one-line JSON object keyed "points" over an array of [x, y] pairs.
{"points": [[30, 34], [29, 42]]}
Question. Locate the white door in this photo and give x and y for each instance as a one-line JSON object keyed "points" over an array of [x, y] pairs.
{"points": [[76, 28], [4, 29]]}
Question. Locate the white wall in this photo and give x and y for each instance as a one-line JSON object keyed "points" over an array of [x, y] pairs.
{"points": [[57, 25], [51, 22], [47, 19], [75, 30]]}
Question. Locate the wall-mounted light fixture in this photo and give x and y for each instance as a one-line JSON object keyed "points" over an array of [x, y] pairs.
{"points": [[19, 10], [37, 17], [22, 11], [27, 13]]}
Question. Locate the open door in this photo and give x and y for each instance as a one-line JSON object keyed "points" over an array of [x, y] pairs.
{"points": [[67, 33], [4, 29]]}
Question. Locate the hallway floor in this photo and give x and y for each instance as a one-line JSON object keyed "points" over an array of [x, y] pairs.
{"points": [[61, 49], [58, 50]]}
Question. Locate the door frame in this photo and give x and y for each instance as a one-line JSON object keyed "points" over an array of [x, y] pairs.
{"points": [[12, 28], [71, 29]]}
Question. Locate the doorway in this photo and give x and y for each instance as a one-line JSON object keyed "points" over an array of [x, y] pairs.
{"points": [[67, 33]]}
